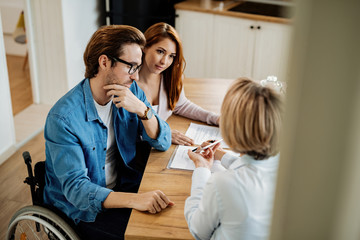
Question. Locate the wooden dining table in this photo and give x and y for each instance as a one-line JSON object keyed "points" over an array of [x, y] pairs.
{"points": [[176, 184]]}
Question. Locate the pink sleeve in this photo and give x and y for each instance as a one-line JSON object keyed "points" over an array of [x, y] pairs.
{"points": [[186, 108]]}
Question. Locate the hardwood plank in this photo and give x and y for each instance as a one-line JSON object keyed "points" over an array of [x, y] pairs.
{"points": [[20, 84], [15, 194]]}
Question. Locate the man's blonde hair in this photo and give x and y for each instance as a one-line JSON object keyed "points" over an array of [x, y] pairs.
{"points": [[251, 119]]}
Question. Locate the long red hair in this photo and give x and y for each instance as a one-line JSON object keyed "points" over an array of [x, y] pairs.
{"points": [[173, 74]]}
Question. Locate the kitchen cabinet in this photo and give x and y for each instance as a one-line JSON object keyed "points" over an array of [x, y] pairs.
{"points": [[196, 31], [222, 46], [271, 51]]}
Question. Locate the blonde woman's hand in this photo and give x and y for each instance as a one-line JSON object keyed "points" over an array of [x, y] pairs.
{"points": [[204, 158], [218, 121], [218, 152], [179, 138]]}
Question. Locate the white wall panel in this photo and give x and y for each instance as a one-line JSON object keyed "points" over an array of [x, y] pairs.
{"points": [[78, 29], [7, 132]]}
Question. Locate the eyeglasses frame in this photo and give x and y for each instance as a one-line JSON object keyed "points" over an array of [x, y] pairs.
{"points": [[132, 69]]}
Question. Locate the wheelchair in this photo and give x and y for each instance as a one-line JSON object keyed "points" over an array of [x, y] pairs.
{"points": [[39, 221]]}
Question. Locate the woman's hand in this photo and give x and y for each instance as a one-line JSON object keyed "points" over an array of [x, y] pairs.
{"points": [[179, 138], [204, 158], [218, 121], [218, 152]]}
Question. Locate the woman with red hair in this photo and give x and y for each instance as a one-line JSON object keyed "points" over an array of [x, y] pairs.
{"points": [[161, 79]]}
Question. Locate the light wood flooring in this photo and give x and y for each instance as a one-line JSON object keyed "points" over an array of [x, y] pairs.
{"points": [[14, 194], [20, 85]]}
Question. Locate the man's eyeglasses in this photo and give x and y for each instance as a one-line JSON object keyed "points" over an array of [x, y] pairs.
{"points": [[133, 67]]}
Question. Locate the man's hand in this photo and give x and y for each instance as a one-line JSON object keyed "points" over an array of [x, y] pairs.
{"points": [[124, 98], [180, 138], [153, 202]]}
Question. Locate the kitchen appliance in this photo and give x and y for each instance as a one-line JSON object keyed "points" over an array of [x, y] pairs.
{"points": [[140, 13]]}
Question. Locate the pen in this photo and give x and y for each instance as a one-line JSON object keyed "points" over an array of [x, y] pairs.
{"points": [[213, 143]]}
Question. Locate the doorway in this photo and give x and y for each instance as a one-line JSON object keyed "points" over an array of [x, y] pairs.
{"points": [[29, 116]]}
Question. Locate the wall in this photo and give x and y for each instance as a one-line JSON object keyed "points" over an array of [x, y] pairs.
{"points": [[76, 36], [7, 131], [318, 190]]}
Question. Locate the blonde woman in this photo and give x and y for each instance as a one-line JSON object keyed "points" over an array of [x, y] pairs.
{"points": [[237, 203], [161, 79]]}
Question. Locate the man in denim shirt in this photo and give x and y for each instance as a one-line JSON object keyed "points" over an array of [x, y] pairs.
{"points": [[92, 134]]}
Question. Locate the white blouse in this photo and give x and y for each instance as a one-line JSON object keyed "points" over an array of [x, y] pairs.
{"points": [[233, 204]]}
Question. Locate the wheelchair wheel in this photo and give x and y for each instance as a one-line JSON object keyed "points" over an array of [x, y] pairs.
{"points": [[35, 222]]}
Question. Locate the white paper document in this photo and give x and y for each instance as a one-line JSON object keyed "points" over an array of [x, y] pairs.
{"points": [[200, 134], [181, 160]]}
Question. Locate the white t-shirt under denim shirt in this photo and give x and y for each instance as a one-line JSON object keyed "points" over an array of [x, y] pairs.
{"points": [[233, 204], [155, 108], [105, 113]]}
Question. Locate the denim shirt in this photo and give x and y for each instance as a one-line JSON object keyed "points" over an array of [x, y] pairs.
{"points": [[76, 141]]}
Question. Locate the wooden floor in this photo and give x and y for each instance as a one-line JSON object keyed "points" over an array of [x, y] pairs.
{"points": [[20, 85], [15, 194]]}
